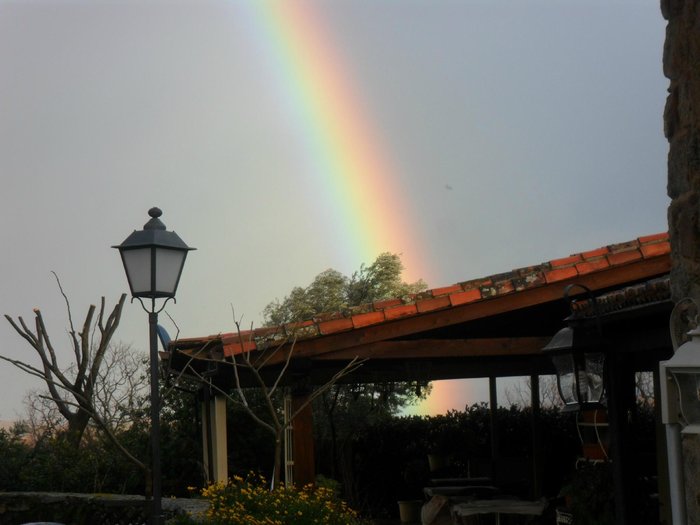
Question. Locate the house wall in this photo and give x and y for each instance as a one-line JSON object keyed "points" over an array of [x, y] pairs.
{"points": [[682, 129]]}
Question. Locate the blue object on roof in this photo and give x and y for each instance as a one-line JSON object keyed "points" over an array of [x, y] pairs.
{"points": [[163, 336]]}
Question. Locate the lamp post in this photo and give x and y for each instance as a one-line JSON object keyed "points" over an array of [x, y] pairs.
{"points": [[153, 260], [680, 403]]}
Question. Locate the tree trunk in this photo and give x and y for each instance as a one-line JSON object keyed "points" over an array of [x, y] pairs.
{"points": [[278, 458], [77, 424]]}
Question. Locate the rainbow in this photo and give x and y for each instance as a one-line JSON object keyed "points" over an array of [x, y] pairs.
{"points": [[366, 206], [453, 394], [362, 200]]}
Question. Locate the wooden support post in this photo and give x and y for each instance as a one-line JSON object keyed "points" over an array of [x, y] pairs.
{"points": [[493, 405], [214, 448], [304, 469], [537, 471], [620, 386]]}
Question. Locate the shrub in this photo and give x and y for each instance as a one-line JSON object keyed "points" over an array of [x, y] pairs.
{"points": [[247, 501]]}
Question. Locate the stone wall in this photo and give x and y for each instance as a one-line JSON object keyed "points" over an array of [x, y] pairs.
{"points": [[681, 64], [87, 509]]}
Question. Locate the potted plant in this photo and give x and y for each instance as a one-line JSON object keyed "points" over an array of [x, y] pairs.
{"points": [[414, 477]]}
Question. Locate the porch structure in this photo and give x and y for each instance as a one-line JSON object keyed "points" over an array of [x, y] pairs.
{"points": [[491, 327]]}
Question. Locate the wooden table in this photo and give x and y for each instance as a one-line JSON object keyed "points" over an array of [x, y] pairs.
{"points": [[497, 507]]}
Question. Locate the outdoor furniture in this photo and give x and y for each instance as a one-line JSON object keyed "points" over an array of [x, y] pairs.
{"points": [[460, 482], [467, 491], [462, 511]]}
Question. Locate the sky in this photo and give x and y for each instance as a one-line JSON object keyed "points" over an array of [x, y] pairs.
{"points": [[284, 138]]}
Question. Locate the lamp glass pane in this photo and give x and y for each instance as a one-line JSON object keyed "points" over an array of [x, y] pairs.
{"points": [[566, 378], [168, 267], [688, 388], [593, 391], [137, 263]]}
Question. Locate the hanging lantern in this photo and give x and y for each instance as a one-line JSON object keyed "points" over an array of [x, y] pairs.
{"points": [[580, 366], [578, 357]]}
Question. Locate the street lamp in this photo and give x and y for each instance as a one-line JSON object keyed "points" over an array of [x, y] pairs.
{"points": [[153, 260], [578, 360], [680, 398]]}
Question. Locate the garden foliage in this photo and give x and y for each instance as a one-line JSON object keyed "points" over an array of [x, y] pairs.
{"points": [[248, 501]]}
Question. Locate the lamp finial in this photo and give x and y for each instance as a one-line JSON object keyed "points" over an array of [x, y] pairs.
{"points": [[155, 223]]}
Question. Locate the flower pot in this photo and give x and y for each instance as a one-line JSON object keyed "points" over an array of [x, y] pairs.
{"points": [[593, 431], [409, 511], [594, 451], [438, 462]]}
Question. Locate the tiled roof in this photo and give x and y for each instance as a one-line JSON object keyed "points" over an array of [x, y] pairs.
{"points": [[652, 291], [447, 297]]}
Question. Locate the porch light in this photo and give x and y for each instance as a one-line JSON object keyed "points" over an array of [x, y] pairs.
{"points": [[576, 352], [681, 387]]}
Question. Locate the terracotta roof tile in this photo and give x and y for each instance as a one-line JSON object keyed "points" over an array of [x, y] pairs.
{"points": [[428, 305], [327, 316], [504, 276], [561, 274], [592, 265], [530, 270], [451, 296], [476, 283], [366, 319], [622, 257], [238, 347], [488, 291], [359, 309], [386, 303], [595, 253], [504, 287], [334, 325], [624, 246], [446, 290], [653, 238], [468, 296], [400, 311], [566, 261], [265, 332], [654, 249], [302, 329], [529, 280]]}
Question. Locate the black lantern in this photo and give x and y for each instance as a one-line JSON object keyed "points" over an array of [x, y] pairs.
{"points": [[153, 259], [577, 354]]}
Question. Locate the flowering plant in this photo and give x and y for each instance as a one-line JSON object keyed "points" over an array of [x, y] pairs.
{"points": [[247, 501]]}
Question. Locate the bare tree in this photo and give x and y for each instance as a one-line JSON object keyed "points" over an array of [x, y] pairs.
{"points": [[74, 389], [42, 417], [120, 395], [521, 392], [644, 385], [121, 388], [253, 363]]}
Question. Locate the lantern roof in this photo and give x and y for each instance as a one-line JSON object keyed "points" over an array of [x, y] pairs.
{"points": [[154, 234]]}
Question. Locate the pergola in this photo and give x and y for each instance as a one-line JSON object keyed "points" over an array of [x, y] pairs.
{"points": [[492, 327]]}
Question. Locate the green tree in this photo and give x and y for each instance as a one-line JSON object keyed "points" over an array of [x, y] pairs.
{"points": [[339, 410], [331, 291]]}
